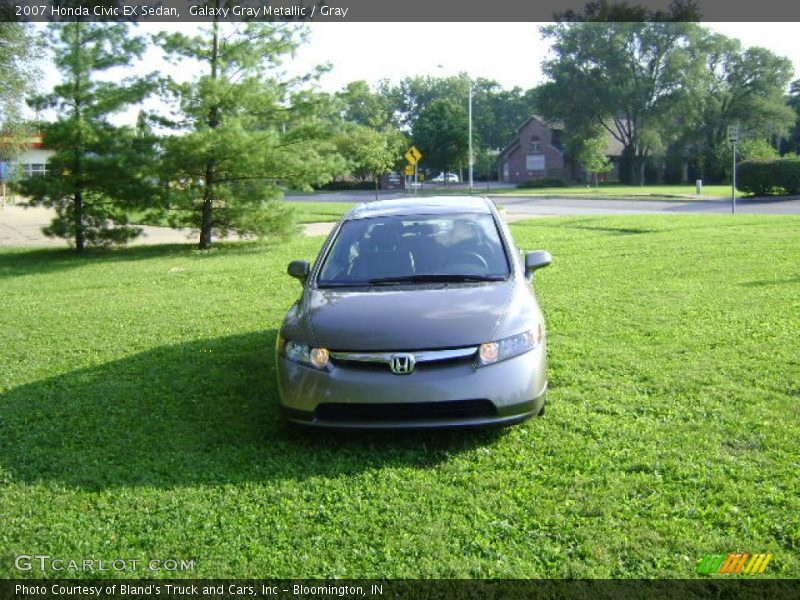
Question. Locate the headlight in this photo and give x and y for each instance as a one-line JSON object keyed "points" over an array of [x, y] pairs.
{"points": [[492, 352], [303, 354]]}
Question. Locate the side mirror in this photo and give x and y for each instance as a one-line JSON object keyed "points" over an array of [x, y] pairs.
{"points": [[299, 269], [537, 259]]}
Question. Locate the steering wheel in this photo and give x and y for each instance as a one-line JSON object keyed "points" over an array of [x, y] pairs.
{"points": [[468, 258]]}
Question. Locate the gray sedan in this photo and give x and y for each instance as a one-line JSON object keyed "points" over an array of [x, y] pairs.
{"points": [[417, 313]]}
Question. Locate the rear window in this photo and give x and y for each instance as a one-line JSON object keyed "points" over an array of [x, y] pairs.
{"points": [[407, 246]]}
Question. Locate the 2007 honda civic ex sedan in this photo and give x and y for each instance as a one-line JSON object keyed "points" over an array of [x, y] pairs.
{"points": [[417, 313]]}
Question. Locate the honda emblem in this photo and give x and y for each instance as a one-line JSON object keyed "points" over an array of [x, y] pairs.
{"points": [[402, 364]]}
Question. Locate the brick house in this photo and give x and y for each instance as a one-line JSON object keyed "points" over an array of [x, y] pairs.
{"points": [[535, 151]]}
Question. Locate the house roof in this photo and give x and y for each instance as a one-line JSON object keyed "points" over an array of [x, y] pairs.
{"points": [[551, 123], [613, 146], [31, 142]]}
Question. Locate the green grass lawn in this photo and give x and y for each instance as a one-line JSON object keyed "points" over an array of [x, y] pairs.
{"points": [[627, 192], [318, 212], [305, 212], [139, 417]]}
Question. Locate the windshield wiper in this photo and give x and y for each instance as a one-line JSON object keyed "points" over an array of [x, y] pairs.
{"points": [[434, 278]]}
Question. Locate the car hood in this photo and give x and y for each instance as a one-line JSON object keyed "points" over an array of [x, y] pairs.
{"points": [[407, 318]]}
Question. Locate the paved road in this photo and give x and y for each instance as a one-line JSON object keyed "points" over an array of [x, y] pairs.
{"points": [[542, 205], [585, 206]]}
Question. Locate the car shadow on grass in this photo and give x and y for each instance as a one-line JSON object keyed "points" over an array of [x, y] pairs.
{"points": [[203, 412]]}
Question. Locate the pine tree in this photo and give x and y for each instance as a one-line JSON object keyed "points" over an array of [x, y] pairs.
{"points": [[99, 171], [245, 132]]}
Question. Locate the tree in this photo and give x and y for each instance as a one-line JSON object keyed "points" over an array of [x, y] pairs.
{"points": [[17, 47], [363, 106], [792, 143], [733, 86], [603, 10], [590, 151], [496, 112], [371, 153], [626, 78], [441, 133], [99, 172], [244, 132]]}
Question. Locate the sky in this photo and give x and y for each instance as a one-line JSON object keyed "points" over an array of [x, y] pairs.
{"points": [[509, 53]]}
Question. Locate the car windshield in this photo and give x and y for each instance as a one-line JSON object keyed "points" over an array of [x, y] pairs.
{"points": [[416, 249]]}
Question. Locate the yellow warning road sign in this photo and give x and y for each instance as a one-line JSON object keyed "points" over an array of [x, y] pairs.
{"points": [[413, 155]]}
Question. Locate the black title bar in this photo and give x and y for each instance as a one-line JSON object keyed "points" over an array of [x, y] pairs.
{"points": [[335, 11], [394, 589]]}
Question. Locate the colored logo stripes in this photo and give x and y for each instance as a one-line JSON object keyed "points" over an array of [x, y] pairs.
{"points": [[734, 563]]}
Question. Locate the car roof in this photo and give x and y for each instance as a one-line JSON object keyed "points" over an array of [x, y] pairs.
{"points": [[428, 205]]}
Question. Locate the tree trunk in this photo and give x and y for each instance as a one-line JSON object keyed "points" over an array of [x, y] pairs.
{"points": [[80, 231], [208, 204], [375, 177], [80, 234], [207, 221]]}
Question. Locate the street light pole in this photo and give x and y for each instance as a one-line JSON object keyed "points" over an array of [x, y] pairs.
{"points": [[471, 158]]}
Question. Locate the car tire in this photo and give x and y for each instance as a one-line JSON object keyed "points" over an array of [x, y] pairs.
{"points": [[541, 410]]}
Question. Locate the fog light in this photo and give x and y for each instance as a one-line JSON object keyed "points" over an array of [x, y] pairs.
{"points": [[319, 357], [488, 353]]}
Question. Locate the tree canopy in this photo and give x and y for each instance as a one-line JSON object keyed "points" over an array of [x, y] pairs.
{"points": [[99, 171], [18, 48], [441, 133], [662, 87], [244, 131]]}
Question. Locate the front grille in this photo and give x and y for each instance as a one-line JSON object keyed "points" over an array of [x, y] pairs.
{"points": [[406, 411], [425, 359]]}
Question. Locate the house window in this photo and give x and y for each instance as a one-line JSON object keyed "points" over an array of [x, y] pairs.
{"points": [[34, 169], [536, 145], [506, 173], [534, 162]]}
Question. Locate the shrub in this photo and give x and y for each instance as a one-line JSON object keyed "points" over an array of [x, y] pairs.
{"points": [[543, 182], [769, 177], [788, 171]]}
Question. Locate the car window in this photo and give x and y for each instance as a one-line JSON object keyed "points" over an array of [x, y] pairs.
{"points": [[415, 246]]}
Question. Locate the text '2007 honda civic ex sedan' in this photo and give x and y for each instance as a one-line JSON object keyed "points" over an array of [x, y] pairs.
{"points": [[417, 313]]}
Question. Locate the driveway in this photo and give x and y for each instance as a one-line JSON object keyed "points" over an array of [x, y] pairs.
{"points": [[21, 226]]}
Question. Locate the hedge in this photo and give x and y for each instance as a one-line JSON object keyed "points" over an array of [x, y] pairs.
{"points": [[769, 177], [543, 182]]}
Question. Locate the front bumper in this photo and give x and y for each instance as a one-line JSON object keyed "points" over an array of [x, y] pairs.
{"points": [[453, 394]]}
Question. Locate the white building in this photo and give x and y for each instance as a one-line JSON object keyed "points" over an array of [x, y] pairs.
{"points": [[31, 161]]}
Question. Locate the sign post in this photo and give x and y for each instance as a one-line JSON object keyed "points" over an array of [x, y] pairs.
{"points": [[733, 138], [413, 156]]}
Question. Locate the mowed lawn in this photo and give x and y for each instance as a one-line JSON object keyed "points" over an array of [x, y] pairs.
{"points": [[139, 417]]}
